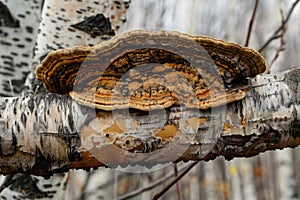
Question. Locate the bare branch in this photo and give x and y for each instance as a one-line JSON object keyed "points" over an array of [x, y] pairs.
{"points": [[281, 27], [281, 46], [159, 194], [251, 23], [178, 187], [152, 185]]}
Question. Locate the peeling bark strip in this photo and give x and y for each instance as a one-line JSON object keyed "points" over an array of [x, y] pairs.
{"points": [[268, 118], [41, 131]]}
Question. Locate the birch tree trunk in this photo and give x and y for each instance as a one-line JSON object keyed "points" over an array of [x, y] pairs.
{"points": [[19, 28], [19, 33], [238, 179]]}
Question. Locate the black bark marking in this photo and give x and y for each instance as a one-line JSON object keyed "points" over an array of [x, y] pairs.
{"points": [[6, 18], [24, 119], [96, 25]]}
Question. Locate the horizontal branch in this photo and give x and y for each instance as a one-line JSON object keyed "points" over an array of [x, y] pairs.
{"points": [[49, 133]]}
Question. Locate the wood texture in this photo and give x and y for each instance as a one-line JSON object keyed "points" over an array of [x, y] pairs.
{"points": [[266, 119]]}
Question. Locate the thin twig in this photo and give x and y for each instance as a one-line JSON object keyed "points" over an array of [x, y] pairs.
{"points": [[151, 186], [159, 194], [178, 187], [251, 23], [281, 27], [281, 46]]}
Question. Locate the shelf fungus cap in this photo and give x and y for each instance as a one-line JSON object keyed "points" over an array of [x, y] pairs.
{"points": [[150, 70]]}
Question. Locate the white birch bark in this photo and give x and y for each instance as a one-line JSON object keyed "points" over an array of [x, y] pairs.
{"points": [[17, 45], [16, 51], [165, 11]]}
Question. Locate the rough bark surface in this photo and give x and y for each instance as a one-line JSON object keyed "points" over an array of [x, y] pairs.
{"points": [[19, 33], [271, 175], [63, 134]]}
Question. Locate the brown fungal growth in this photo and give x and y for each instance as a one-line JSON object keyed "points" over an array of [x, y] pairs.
{"points": [[149, 70]]}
